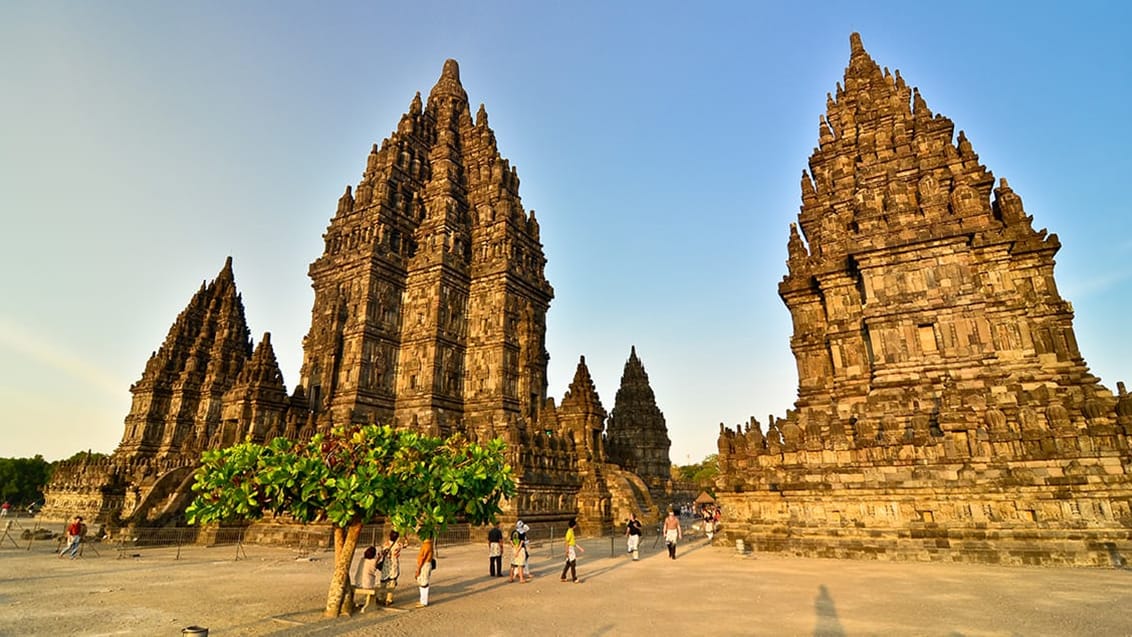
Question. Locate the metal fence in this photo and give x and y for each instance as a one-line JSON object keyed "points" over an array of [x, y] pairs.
{"points": [[30, 534]]}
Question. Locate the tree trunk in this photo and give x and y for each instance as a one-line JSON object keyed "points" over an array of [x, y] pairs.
{"points": [[338, 598]]}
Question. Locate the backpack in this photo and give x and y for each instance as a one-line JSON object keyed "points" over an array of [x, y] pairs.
{"points": [[381, 558]]}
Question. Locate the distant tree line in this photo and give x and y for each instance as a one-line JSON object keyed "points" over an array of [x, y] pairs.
{"points": [[702, 474], [22, 480]]}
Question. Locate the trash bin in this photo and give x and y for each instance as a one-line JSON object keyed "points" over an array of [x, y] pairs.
{"points": [[194, 631]]}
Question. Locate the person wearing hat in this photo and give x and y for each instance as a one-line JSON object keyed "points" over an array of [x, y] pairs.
{"points": [[519, 553], [527, 541]]}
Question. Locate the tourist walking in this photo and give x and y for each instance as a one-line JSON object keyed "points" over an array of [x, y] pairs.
{"points": [[4, 508], [390, 565], [672, 532], [495, 550], [709, 522], [572, 550], [75, 531], [519, 554], [426, 562], [633, 531]]}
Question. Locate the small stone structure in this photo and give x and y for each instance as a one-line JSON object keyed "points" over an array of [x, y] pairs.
{"points": [[944, 410], [429, 312]]}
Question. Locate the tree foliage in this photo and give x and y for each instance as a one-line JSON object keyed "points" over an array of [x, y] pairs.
{"points": [[22, 479], [80, 456], [702, 474], [348, 477]]}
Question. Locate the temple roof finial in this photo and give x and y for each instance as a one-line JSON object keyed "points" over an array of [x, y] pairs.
{"points": [[449, 83], [451, 70]]}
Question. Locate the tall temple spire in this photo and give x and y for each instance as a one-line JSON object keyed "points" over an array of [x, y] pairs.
{"points": [[420, 263], [637, 435], [901, 271]]}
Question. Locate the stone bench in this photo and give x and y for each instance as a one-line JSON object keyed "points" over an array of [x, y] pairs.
{"points": [[370, 593]]}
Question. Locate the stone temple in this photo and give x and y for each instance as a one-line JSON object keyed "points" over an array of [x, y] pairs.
{"points": [[430, 305], [943, 410]]}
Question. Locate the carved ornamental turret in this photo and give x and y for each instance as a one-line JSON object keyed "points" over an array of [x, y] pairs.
{"points": [[256, 405], [582, 416], [637, 436]]}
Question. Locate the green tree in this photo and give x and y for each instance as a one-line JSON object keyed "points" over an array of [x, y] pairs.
{"points": [[349, 476], [702, 474], [22, 479], [79, 456]]}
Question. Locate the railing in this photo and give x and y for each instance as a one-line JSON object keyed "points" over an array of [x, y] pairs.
{"points": [[27, 533]]}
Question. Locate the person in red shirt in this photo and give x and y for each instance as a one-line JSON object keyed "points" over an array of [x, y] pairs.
{"points": [[75, 531]]}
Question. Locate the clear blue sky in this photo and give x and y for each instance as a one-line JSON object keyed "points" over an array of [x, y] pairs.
{"points": [[661, 144]]}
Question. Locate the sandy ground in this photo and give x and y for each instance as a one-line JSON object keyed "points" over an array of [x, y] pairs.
{"points": [[271, 591]]}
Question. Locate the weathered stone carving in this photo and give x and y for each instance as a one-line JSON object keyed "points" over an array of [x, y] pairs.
{"points": [[942, 402]]}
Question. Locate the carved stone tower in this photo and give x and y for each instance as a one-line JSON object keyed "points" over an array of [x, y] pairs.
{"points": [[430, 298], [636, 434], [204, 388], [914, 283], [176, 405], [944, 410]]}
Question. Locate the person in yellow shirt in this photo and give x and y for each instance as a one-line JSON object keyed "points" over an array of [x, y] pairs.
{"points": [[572, 550]]}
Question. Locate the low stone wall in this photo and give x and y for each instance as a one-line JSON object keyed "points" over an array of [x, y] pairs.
{"points": [[1029, 512]]}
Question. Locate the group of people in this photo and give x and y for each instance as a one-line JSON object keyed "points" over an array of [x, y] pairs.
{"points": [[520, 552], [520, 546], [380, 569]]}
